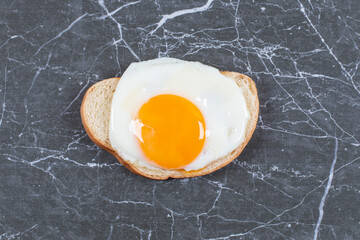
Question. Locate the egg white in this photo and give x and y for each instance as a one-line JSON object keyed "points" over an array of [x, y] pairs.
{"points": [[219, 98]]}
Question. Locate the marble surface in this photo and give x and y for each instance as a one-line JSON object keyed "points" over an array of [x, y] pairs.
{"points": [[298, 178]]}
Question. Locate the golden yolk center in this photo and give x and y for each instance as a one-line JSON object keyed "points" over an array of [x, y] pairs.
{"points": [[172, 131]]}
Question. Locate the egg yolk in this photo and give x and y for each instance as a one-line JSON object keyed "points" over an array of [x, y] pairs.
{"points": [[172, 131]]}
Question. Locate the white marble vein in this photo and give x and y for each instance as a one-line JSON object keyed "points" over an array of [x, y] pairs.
{"points": [[60, 33], [347, 74], [178, 13], [326, 192]]}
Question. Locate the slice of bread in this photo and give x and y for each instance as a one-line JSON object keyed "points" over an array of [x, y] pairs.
{"points": [[95, 116]]}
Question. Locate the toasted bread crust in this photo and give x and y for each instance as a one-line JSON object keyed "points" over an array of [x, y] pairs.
{"points": [[252, 101]]}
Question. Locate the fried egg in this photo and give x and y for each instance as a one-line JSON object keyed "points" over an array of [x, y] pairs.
{"points": [[173, 114]]}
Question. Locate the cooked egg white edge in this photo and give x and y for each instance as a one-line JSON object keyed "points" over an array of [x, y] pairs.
{"points": [[219, 98]]}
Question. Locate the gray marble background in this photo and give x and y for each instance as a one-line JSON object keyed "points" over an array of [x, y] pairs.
{"points": [[299, 177]]}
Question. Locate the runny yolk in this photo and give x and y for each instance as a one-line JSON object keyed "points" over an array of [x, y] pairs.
{"points": [[172, 131]]}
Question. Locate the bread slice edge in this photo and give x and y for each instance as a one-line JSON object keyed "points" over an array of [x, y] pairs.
{"points": [[95, 116]]}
